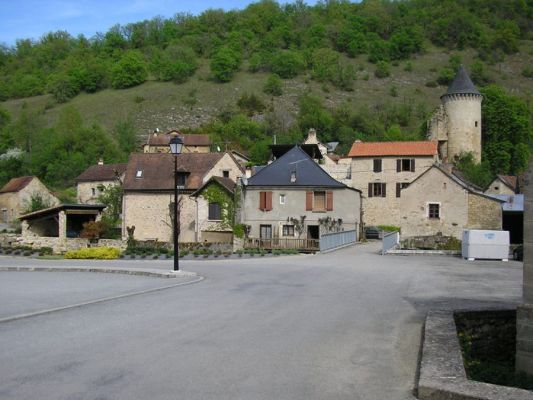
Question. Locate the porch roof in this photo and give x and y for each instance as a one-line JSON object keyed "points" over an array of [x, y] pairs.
{"points": [[68, 208]]}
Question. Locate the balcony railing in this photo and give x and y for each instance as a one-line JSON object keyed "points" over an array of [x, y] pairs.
{"points": [[283, 243]]}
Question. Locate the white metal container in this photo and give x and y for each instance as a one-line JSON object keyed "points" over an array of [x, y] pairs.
{"points": [[492, 245]]}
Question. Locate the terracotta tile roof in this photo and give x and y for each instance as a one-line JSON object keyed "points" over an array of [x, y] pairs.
{"points": [[157, 170], [16, 184], [162, 139], [509, 180], [106, 172], [376, 149]]}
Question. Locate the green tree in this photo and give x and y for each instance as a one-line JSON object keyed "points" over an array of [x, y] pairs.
{"points": [[506, 131], [130, 70], [224, 64], [287, 64]]}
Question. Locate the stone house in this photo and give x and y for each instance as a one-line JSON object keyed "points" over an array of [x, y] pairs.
{"points": [[148, 191], [290, 187], [381, 169], [503, 184], [215, 210], [92, 182], [440, 202], [16, 195], [158, 142]]}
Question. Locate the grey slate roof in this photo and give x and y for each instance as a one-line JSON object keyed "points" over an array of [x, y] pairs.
{"points": [[462, 84], [308, 172]]}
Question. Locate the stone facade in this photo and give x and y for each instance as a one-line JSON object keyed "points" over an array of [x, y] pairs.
{"points": [[12, 204], [149, 211], [384, 210], [483, 213], [210, 230], [524, 320], [346, 205], [88, 192], [499, 187], [458, 207]]}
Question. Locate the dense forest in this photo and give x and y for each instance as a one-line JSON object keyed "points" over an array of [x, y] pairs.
{"points": [[325, 45]]}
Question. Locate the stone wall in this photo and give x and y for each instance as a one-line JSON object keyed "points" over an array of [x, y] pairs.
{"points": [[384, 210], [484, 213], [85, 191], [59, 245], [434, 187]]}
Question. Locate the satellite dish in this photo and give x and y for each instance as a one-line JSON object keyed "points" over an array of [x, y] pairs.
{"points": [[244, 180]]}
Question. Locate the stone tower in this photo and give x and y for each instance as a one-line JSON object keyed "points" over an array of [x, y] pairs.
{"points": [[457, 123]]}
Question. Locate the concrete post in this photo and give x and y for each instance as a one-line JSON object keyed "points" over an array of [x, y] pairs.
{"points": [[524, 319]]}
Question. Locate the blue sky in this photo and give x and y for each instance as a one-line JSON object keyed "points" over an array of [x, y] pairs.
{"points": [[22, 19]]}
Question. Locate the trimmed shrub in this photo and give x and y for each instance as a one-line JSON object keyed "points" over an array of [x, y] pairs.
{"points": [[97, 253]]}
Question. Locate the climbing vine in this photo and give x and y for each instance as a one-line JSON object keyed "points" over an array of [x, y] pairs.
{"points": [[216, 194]]}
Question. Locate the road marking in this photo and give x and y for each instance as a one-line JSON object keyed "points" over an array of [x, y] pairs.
{"points": [[121, 296]]}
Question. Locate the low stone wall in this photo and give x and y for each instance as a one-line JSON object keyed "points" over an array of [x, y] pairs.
{"points": [[58, 245], [434, 242], [442, 372]]}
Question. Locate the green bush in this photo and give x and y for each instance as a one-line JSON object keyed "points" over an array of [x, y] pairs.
{"points": [[98, 253], [273, 85], [389, 228], [224, 64], [130, 71], [382, 69]]}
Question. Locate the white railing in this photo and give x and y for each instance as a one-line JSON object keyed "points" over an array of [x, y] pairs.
{"points": [[330, 241], [390, 240]]}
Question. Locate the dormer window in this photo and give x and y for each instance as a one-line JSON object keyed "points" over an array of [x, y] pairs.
{"points": [[293, 176], [139, 173], [225, 173], [181, 178]]}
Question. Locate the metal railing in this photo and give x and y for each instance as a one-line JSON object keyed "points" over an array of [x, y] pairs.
{"points": [[283, 243], [330, 241], [390, 240]]}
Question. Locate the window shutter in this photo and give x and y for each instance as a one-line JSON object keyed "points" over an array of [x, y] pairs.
{"points": [[262, 199], [268, 201], [383, 190], [309, 201], [398, 165], [377, 165], [412, 165], [329, 200], [370, 189], [398, 189]]}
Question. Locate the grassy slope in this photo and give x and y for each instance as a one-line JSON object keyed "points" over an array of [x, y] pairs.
{"points": [[159, 104]]}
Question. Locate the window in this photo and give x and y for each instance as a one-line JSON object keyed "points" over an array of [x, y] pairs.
{"points": [[265, 201], [288, 230], [475, 124], [225, 174], [215, 212], [377, 189], [281, 199], [93, 190], [405, 164], [434, 211], [265, 231], [319, 201], [293, 176], [139, 174], [377, 165], [182, 178], [399, 187]]}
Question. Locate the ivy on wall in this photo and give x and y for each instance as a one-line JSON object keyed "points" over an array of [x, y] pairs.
{"points": [[214, 193]]}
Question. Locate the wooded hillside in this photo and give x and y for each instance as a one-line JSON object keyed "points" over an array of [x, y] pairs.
{"points": [[372, 70]]}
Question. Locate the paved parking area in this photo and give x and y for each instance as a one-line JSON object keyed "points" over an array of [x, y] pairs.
{"points": [[343, 325]]}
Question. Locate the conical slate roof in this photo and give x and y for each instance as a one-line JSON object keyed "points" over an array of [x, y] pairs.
{"points": [[295, 164], [462, 84]]}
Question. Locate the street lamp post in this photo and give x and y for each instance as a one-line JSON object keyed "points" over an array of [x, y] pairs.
{"points": [[176, 144]]}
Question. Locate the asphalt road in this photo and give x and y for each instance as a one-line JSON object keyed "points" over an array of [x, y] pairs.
{"points": [[344, 325]]}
